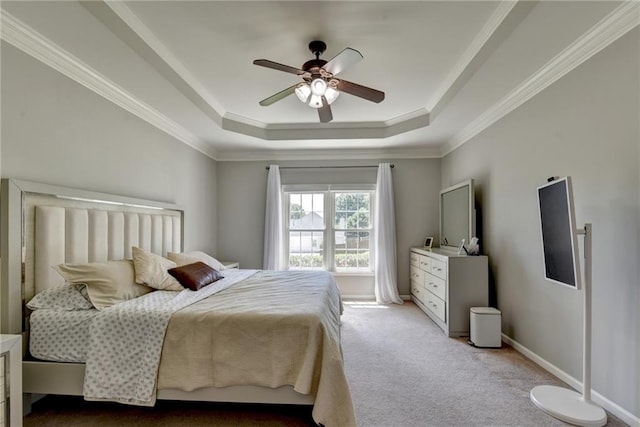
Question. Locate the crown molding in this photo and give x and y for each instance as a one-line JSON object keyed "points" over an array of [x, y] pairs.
{"points": [[177, 73], [323, 131], [297, 155], [472, 54], [617, 23], [29, 41]]}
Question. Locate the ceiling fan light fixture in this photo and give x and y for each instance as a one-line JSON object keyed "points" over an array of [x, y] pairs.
{"points": [[331, 94], [318, 86], [303, 91], [312, 93], [316, 101]]}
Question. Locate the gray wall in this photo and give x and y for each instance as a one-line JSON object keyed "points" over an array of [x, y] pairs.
{"points": [[58, 132], [242, 194], [585, 126]]}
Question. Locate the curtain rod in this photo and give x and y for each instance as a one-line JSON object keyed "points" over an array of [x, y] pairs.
{"points": [[330, 167]]}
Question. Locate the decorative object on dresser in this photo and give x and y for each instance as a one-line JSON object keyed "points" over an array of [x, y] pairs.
{"points": [[428, 242], [446, 285]]}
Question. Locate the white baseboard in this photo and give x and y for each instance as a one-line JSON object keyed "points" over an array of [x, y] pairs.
{"points": [[369, 297], [355, 297], [597, 398]]}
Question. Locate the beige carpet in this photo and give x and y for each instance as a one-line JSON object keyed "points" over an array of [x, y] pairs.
{"points": [[402, 370]]}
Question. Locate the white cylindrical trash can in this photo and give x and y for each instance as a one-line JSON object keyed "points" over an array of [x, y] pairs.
{"points": [[485, 327]]}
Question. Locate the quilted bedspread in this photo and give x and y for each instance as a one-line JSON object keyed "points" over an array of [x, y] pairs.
{"points": [[125, 342], [272, 329]]}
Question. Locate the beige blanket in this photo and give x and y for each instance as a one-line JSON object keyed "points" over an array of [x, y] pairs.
{"points": [[273, 329]]}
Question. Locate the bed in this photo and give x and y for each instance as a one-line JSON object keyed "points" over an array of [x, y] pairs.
{"points": [[251, 339]]}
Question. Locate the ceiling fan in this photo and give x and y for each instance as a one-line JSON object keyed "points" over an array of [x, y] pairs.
{"points": [[319, 87]]}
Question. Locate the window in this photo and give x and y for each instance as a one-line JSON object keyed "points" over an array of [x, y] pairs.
{"points": [[306, 230], [329, 227], [352, 230]]}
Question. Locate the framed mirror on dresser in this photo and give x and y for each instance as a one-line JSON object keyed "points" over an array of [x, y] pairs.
{"points": [[445, 281]]}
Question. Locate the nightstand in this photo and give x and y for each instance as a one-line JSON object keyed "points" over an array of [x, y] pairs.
{"points": [[230, 264], [11, 380]]}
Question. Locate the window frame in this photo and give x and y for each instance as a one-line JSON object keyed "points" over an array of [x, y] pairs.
{"points": [[287, 230], [329, 191]]}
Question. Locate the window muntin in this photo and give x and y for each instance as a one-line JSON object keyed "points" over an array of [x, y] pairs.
{"points": [[306, 224], [306, 211], [330, 229], [352, 230]]}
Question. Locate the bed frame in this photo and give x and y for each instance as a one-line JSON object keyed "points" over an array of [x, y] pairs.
{"points": [[79, 226]]}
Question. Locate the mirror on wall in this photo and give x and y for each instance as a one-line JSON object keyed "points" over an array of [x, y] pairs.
{"points": [[457, 215]]}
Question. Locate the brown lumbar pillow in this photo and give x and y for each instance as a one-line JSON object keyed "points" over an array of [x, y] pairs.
{"points": [[195, 276]]}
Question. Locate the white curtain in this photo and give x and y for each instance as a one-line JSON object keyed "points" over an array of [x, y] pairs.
{"points": [[386, 285], [273, 226]]}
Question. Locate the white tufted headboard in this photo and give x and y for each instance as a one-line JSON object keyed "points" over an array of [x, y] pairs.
{"points": [[45, 225]]}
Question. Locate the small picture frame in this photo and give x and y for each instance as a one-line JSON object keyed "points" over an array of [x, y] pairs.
{"points": [[462, 250], [428, 242]]}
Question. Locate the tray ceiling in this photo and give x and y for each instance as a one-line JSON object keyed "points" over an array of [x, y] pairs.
{"points": [[448, 69]]}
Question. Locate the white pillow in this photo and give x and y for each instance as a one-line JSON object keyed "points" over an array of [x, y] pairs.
{"points": [[65, 297], [185, 258], [108, 282], [151, 270]]}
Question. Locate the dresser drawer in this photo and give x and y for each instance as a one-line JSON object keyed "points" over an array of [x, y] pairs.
{"points": [[434, 304], [435, 285], [425, 263], [418, 290], [417, 275], [414, 259], [439, 268]]}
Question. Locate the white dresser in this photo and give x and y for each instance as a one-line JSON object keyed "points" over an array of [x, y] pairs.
{"points": [[446, 285]]}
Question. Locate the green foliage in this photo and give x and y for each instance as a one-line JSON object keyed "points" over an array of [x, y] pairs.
{"points": [[343, 260], [353, 210], [296, 210], [352, 260], [352, 201], [306, 260]]}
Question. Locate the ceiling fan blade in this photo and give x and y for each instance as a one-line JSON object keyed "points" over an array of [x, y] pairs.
{"points": [[367, 93], [278, 96], [343, 60], [324, 112], [279, 67]]}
